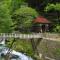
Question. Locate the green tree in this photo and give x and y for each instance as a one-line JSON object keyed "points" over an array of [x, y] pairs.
{"points": [[16, 4], [53, 6], [23, 18], [5, 17], [56, 8]]}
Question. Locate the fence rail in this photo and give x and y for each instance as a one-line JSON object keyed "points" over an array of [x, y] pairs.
{"points": [[21, 36], [48, 36]]}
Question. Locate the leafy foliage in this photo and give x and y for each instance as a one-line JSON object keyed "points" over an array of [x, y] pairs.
{"points": [[49, 7], [57, 28], [16, 4], [56, 8], [23, 46], [53, 7], [23, 18], [5, 18]]}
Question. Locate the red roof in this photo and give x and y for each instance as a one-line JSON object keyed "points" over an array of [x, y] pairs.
{"points": [[41, 19]]}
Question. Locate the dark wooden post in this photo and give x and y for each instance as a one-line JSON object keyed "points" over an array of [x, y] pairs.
{"points": [[7, 57], [35, 43]]}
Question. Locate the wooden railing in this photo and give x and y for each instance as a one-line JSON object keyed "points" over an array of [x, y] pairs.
{"points": [[48, 36], [21, 36]]}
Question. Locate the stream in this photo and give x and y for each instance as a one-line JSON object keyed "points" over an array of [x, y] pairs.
{"points": [[14, 54]]}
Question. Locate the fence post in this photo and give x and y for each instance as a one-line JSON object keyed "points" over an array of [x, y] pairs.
{"points": [[34, 43]]}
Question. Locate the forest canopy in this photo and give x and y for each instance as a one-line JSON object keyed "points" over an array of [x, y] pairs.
{"points": [[33, 8]]}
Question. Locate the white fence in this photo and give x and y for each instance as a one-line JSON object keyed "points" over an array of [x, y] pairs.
{"points": [[46, 36], [21, 36]]}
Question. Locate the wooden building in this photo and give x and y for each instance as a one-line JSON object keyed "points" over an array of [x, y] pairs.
{"points": [[41, 24]]}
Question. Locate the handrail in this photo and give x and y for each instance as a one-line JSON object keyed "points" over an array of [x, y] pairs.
{"points": [[48, 36]]}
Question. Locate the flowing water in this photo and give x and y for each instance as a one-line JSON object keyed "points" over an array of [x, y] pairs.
{"points": [[14, 55]]}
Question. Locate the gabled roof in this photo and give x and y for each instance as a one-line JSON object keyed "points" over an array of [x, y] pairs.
{"points": [[41, 19]]}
